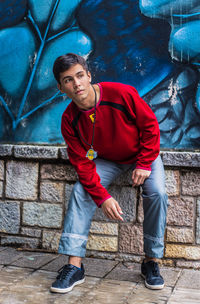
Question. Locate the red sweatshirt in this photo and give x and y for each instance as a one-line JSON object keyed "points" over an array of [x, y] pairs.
{"points": [[126, 131]]}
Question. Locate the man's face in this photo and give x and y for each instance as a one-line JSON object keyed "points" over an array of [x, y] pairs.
{"points": [[75, 83]]}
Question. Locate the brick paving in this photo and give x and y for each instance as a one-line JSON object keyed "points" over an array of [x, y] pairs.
{"points": [[25, 277]]}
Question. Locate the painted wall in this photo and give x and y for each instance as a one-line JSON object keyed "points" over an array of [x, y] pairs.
{"points": [[152, 45]]}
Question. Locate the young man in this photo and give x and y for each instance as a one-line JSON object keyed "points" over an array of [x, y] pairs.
{"points": [[108, 129]]}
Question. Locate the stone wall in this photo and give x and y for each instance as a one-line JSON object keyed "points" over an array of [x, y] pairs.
{"points": [[35, 184]]}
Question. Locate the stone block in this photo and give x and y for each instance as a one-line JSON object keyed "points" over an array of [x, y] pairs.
{"points": [[31, 232], [180, 235], [124, 179], [172, 182], [51, 191], [126, 197], [68, 190], [9, 217], [180, 159], [102, 243], [1, 189], [198, 222], [21, 180], [131, 238], [181, 211], [188, 264], [50, 240], [1, 170], [18, 241], [187, 252], [189, 182], [140, 212], [42, 215], [36, 152], [104, 228], [63, 153], [56, 263], [58, 172], [6, 150]]}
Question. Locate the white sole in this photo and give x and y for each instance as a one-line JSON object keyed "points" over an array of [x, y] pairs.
{"points": [[64, 290], [154, 287]]}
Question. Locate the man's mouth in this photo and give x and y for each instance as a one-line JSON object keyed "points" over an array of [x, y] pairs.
{"points": [[79, 92]]}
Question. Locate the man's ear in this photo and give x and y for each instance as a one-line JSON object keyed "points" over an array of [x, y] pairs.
{"points": [[90, 76], [59, 87]]}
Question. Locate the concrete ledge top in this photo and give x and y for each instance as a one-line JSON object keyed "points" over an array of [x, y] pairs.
{"points": [[170, 158]]}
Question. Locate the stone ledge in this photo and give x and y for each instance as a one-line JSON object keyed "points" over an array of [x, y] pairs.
{"points": [[170, 158]]}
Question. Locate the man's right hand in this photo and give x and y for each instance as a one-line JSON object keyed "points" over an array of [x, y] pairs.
{"points": [[111, 209]]}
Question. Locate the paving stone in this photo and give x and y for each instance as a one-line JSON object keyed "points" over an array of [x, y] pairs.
{"points": [[51, 191], [172, 182], [189, 278], [42, 215], [33, 260], [142, 295], [102, 243], [19, 241], [131, 238], [9, 217], [98, 267], [56, 263], [104, 228], [189, 182], [126, 272], [181, 211], [58, 172], [182, 251], [21, 180], [170, 275], [180, 235], [109, 292], [12, 275], [9, 255], [50, 240], [1, 170], [184, 296], [126, 196], [6, 150], [36, 152]]}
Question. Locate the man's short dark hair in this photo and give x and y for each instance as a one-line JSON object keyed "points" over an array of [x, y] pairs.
{"points": [[64, 62]]}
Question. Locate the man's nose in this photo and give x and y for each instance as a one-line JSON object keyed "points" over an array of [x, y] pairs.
{"points": [[76, 82]]}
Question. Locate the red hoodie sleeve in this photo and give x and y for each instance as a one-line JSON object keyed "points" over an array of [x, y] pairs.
{"points": [[148, 127], [85, 168]]}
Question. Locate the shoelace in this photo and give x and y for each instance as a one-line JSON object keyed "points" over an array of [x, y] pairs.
{"points": [[155, 270], [64, 272]]}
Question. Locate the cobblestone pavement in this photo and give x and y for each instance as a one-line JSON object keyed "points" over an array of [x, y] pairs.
{"points": [[25, 277]]}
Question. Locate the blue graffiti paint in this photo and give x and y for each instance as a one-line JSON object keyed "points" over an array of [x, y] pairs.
{"points": [[12, 12], [32, 54]]}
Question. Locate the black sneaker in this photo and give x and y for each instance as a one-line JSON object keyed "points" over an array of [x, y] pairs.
{"points": [[151, 273], [68, 277]]}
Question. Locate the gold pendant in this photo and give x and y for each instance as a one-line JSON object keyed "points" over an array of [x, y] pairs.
{"points": [[91, 154]]}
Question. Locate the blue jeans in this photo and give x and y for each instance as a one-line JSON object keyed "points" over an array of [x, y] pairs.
{"points": [[81, 209]]}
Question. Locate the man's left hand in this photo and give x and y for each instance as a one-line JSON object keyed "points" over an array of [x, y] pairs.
{"points": [[139, 176]]}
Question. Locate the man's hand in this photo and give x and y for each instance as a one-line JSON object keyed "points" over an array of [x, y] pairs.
{"points": [[111, 209], [139, 176]]}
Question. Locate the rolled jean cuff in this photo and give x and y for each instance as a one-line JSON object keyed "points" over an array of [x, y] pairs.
{"points": [[73, 244], [154, 248]]}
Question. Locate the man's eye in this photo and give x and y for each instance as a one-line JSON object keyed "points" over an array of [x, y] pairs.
{"points": [[80, 75], [67, 80]]}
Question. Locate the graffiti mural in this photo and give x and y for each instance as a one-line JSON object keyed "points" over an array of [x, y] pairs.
{"points": [[152, 45]]}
